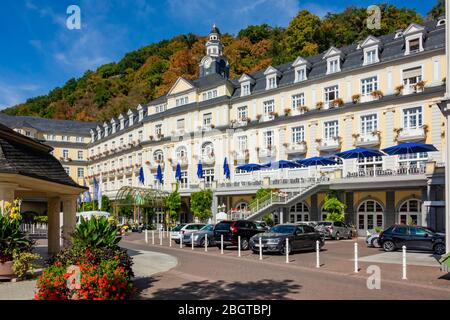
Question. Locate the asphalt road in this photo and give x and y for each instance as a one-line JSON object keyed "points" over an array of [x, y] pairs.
{"points": [[210, 275]]}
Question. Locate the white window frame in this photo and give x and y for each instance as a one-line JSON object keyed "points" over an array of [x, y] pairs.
{"points": [[327, 92], [268, 106], [245, 88], [366, 121], [298, 134], [330, 130], [410, 113], [368, 85], [297, 100], [271, 82], [268, 139], [242, 113], [300, 74], [333, 65]]}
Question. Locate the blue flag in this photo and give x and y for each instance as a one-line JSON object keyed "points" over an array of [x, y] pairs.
{"points": [[226, 169], [87, 194], [96, 189], [141, 176], [200, 170], [178, 172], [159, 175]]}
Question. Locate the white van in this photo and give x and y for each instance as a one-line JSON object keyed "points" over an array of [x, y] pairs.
{"points": [[89, 214]]}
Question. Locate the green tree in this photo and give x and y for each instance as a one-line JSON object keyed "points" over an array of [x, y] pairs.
{"points": [[334, 207], [173, 204], [106, 204], [300, 35], [127, 206], [268, 218], [262, 192], [256, 33], [437, 11], [201, 203]]}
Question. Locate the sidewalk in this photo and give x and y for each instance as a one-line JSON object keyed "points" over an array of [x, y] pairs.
{"points": [[146, 263]]}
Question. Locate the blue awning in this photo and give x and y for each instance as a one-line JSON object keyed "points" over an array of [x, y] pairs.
{"points": [[409, 147], [249, 167], [360, 153], [316, 161], [282, 164]]}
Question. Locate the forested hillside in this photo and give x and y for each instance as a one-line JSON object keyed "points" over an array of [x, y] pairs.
{"points": [[150, 71]]}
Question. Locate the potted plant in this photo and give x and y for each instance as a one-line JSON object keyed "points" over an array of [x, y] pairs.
{"points": [[287, 111], [420, 85], [377, 94], [303, 109], [337, 102], [356, 98], [258, 117], [399, 89], [13, 244], [319, 105]]}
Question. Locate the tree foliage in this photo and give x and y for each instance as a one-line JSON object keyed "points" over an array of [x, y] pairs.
{"points": [[201, 203], [334, 207], [150, 71], [173, 204]]}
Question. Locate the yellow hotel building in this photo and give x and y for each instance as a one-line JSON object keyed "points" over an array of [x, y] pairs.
{"points": [[376, 93]]}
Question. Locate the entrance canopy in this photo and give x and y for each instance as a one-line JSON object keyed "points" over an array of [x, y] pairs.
{"points": [[141, 197]]}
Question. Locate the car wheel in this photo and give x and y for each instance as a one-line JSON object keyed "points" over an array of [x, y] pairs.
{"points": [[388, 246], [244, 244], [350, 235], [177, 241], [283, 249], [439, 249], [337, 236], [375, 243]]}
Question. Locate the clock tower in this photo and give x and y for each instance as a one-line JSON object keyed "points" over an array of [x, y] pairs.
{"points": [[214, 61]]}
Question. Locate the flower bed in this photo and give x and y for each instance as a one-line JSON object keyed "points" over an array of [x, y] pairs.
{"points": [[94, 268]]}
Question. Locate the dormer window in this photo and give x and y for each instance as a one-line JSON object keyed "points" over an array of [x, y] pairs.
{"points": [[92, 135], [246, 84], [113, 126], [161, 107], [272, 75], [122, 123], [398, 34], [371, 48], [130, 120], [371, 56], [211, 94], [140, 113], [271, 82], [105, 127], [300, 66], [414, 35], [333, 66]]}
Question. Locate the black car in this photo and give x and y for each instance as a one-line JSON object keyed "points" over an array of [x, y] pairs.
{"points": [[414, 238], [231, 230], [301, 237]]}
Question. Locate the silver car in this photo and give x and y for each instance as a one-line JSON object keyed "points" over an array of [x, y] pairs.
{"points": [[205, 233], [183, 229], [335, 230], [372, 240]]}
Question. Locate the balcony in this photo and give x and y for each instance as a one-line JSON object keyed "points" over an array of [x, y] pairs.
{"points": [[296, 148], [154, 164], [411, 134], [241, 157], [240, 122], [267, 153], [267, 117], [329, 144], [183, 161], [367, 140], [299, 110], [412, 88]]}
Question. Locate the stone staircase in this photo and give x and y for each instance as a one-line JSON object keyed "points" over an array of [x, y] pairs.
{"points": [[275, 200]]}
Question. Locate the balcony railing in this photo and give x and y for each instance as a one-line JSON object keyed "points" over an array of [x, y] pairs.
{"points": [[296, 148], [400, 171], [267, 153], [411, 134], [367, 140], [330, 144]]}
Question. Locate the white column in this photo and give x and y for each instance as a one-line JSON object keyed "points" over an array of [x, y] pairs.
{"points": [[54, 233], [69, 218]]}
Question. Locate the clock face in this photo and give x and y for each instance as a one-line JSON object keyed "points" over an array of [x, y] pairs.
{"points": [[208, 63]]}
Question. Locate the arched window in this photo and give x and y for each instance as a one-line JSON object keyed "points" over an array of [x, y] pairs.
{"points": [[299, 212], [158, 156], [181, 152], [409, 212], [242, 206], [207, 150], [370, 215]]}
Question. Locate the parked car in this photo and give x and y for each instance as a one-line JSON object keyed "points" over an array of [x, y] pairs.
{"points": [[262, 226], [309, 223], [199, 236], [413, 237], [232, 229], [335, 230], [373, 240], [301, 237], [184, 228]]}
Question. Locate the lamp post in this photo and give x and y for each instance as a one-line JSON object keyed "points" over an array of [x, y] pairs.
{"points": [[446, 110]]}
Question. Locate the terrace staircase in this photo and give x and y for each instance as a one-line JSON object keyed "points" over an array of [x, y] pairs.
{"points": [[276, 200]]}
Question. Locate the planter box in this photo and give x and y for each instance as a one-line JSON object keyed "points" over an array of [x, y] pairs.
{"points": [[6, 271]]}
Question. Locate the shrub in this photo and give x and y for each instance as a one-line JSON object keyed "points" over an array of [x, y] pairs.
{"points": [[96, 233], [22, 263], [52, 285]]}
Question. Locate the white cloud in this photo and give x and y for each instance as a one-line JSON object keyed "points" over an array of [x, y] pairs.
{"points": [[11, 94]]}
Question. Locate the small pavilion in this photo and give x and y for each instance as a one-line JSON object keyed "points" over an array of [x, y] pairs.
{"points": [[29, 171]]}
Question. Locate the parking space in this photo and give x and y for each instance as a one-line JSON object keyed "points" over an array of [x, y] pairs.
{"points": [[335, 257]]}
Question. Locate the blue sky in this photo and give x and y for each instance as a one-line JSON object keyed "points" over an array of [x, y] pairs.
{"points": [[38, 52]]}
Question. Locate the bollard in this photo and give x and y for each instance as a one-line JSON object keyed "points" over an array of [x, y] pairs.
{"points": [[239, 246], [221, 244], [146, 236], [356, 258], [206, 243], [287, 250], [260, 248], [153, 236], [160, 238], [317, 254], [170, 240], [404, 263], [192, 241], [181, 241]]}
